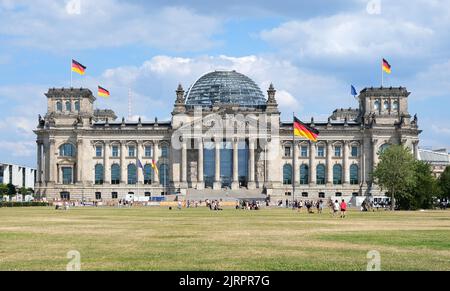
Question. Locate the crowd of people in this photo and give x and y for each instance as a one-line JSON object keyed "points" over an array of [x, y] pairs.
{"points": [[335, 207]]}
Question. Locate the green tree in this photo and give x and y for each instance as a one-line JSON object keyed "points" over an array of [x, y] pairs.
{"points": [[23, 191], [3, 190], [11, 190], [395, 172], [420, 195], [444, 183]]}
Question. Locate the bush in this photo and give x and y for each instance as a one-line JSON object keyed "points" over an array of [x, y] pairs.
{"points": [[23, 204]]}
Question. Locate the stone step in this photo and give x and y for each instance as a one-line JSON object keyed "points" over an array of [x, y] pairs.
{"points": [[226, 195]]}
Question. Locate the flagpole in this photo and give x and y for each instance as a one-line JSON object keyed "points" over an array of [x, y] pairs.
{"points": [[71, 74], [293, 158], [382, 74]]}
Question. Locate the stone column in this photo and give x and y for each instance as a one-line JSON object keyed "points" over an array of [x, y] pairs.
{"points": [[39, 162], [184, 161], [295, 165], [329, 175], [52, 162], [346, 163], [139, 154], [416, 149], [106, 163], [156, 158], [374, 154], [251, 164], [80, 153], [217, 183], [312, 164], [235, 183], [123, 166], [45, 169], [200, 182]]}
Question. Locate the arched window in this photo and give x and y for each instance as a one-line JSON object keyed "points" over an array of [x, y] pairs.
{"points": [[164, 151], [287, 174], [98, 174], [395, 106], [304, 174], [354, 174], [77, 106], [383, 148], [132, 174], [164, 175], [68, 106], [320, 174], [115, 174], [337, 174], [67, 150], [386, 105], [148, 174], [59, 106], [377, 105]]}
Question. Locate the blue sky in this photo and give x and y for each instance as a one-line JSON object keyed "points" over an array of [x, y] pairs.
{"points": [[311, 50]]}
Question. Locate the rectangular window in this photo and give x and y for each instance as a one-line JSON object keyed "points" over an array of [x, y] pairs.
{"points": [[114, 195], [337, 151], [321, 195], [338, 194], [131, 151], [354, 151], [164, 151], [115, 151], [304, 151], [304, 194], [287, 151], [321, 151], [98, 195], [148, 194], [98, 151], [67, 175], [148, 151]]}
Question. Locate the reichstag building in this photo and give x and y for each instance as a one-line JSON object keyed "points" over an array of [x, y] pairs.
{"points": [[225, 136]]}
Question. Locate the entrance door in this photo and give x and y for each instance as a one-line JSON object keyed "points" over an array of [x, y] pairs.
{"points": [[65, 196]]}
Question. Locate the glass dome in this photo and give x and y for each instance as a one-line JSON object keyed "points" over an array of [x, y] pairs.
{"points": [[225, 87]]}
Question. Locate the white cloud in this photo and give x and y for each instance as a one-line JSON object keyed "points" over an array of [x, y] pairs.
{"points": [[155, 81], [47, 24], [433, 81], [351, 34], [440, 129], [18, 148]]}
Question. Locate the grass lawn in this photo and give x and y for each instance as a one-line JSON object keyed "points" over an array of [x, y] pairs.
{"points": [[199, 239]]}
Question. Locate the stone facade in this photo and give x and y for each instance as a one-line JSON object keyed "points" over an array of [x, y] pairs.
{"points": [[88, 154]]}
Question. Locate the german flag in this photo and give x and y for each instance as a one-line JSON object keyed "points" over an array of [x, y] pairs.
{"points": [[103, 92], [386, 66], [301, 129], [78, 68], [155, 167]]}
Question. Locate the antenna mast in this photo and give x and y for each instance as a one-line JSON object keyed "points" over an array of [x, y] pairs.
{"points": [[129, 103]]}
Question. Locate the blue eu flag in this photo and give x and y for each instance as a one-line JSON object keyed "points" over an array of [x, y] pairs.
{"points": [[354, 91]]}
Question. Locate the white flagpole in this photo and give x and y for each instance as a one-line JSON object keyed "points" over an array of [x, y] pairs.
{"points": [[71, 75], [382, 73]]}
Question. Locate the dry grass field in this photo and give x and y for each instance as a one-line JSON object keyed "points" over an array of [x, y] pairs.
{"points": [[200, 239]]}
